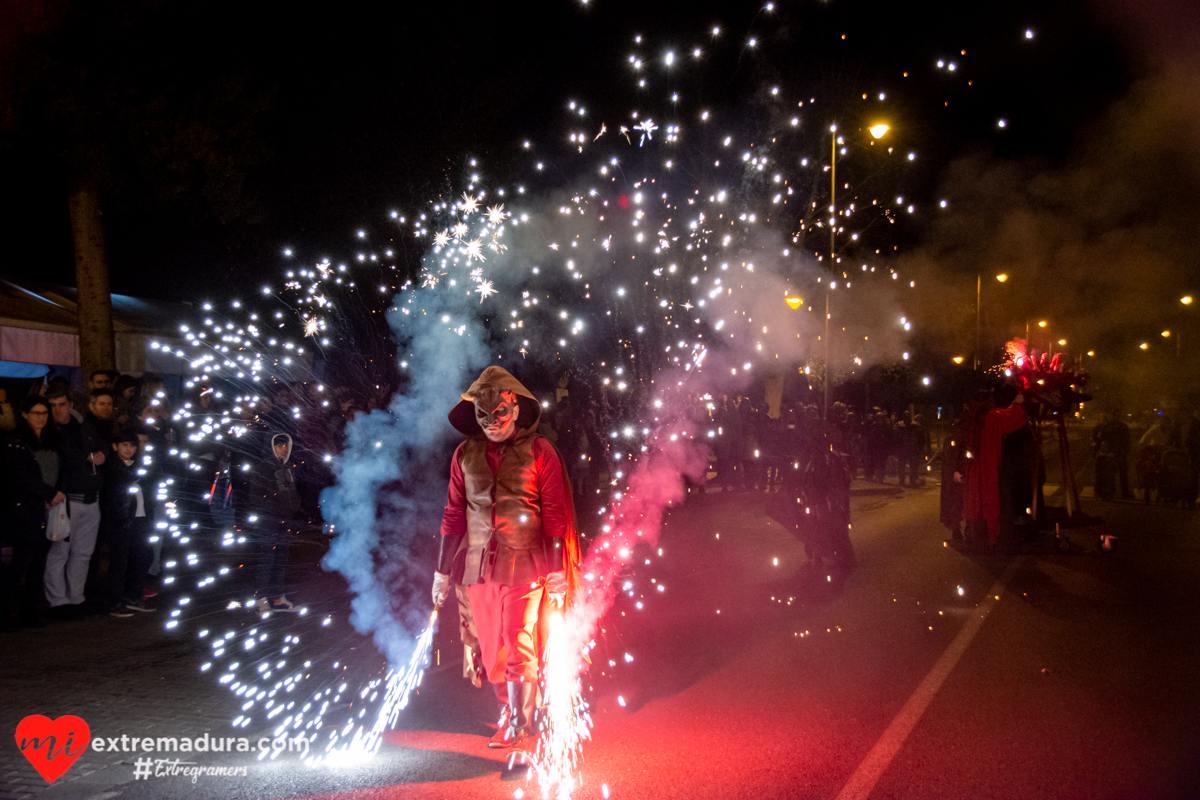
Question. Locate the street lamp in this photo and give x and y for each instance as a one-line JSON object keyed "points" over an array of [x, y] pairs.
{"points": [[1002, 277], [877, 131]]}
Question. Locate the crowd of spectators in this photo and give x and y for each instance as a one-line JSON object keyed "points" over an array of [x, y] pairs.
{"points": [[124, 460], [751, 448]]}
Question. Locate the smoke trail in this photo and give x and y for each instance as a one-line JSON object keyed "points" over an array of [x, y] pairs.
{"points": [[380, 508]]}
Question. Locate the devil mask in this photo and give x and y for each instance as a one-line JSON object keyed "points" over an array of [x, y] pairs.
{"points": [[496, 412]]}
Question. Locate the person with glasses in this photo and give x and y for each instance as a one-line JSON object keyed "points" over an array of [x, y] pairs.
{"points": [[31, 472]]}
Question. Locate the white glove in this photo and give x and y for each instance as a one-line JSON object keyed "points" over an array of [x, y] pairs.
{"points": [[441, 588], [556, 587]]}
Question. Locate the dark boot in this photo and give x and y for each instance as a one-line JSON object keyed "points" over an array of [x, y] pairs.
{"points": [[522, 699]]}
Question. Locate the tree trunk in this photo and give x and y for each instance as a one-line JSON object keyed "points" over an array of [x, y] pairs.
{"points": [[94, 299]]}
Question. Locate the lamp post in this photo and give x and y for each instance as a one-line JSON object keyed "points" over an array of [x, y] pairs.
{"points": [[1185, 301], [1002, 277], [877, 132]]}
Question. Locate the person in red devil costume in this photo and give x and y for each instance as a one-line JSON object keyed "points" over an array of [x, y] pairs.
{"points": [[508, 545]]}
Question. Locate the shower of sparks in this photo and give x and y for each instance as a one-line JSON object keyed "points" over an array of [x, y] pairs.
{"points": [[644, 268], [469, 204], [647, 127], [496, 214], [475, 250], [355, 741], [566, 723], [485, 289]]}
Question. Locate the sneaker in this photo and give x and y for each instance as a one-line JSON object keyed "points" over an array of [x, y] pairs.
{"points": [[119, 612], [147, 594], [137, 605]]}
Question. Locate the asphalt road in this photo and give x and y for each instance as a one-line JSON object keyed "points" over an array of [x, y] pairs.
{"points": [[905, 679]]}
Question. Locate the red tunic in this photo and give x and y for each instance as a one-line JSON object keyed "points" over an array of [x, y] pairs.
{"points": [[982, 500]]}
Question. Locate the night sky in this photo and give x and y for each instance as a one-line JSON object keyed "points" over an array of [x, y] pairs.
{"points": [[309, 126]]}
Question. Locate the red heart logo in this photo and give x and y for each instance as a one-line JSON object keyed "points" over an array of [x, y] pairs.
{"points": [[53, 745]]}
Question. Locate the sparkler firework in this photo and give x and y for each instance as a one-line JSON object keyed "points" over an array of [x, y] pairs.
{"points": [[666, 264]]}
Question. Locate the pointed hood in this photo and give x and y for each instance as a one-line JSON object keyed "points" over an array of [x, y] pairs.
{"points": [[462, 416]]}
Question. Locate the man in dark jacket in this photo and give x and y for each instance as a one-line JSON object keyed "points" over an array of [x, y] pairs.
{"points": [[913, 448], [81, 453], [128, 516], [508, 538], [1115, 433], [273, 502], [101, 414]]}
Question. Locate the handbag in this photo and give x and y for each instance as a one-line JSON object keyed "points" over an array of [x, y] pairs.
{"points": [[58, 525]]}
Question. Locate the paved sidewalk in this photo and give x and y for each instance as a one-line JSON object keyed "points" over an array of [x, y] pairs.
{"points": [[122, 676]]}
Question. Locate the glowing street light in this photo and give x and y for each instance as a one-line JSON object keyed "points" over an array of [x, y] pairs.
{"points": [[1042, 324], [794, 302], [957, 359], [1186, 299], [1144, 345], [1002, 277], [1062, 342], [877, 130], [1166, 334]]}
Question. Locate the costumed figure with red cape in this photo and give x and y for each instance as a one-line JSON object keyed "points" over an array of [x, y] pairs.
{"points": [[986, 428], [1053, 392], [508, 547]]}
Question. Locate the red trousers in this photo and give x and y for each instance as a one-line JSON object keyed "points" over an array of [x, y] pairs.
{"points": [[506, 619]]}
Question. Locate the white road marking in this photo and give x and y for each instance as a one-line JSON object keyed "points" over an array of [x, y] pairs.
{"points": [[872, 767]]}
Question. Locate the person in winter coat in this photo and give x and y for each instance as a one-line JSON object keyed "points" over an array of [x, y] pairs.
{"points": [[101, 416], [81, 454], [913, 448], [1115, 434], [727, 445], [31, 472], [751, 455], [954, 470], [507, 540], [273, 502], [128, 514]]}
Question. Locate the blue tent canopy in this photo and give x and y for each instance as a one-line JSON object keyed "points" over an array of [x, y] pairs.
{"points": [[16, 369]]}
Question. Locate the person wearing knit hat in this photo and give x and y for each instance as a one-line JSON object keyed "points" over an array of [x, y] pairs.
{"points": [[508, 546]]}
